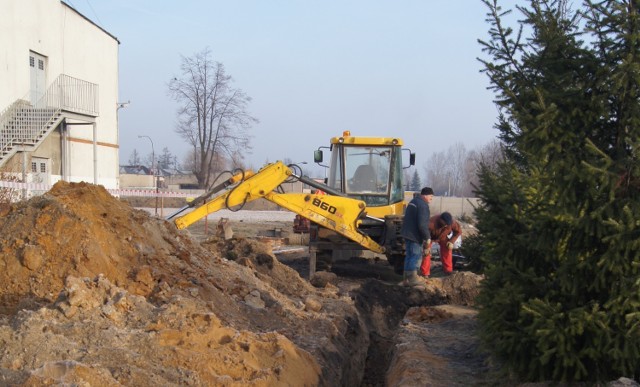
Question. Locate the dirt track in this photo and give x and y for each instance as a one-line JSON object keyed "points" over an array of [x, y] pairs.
{"points": [[95, 292]]}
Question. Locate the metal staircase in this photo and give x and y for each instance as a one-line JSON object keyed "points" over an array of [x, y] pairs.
{"points": [[23, 125]]}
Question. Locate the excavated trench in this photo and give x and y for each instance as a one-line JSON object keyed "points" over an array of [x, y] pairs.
{"points": [[381, 305]]}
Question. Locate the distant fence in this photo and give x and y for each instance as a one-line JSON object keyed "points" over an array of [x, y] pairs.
{"points": [[38, 189], [458, 207]]}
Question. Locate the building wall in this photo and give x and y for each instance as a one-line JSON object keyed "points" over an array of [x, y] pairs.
{"points": [[137, 181], [50, 148], [71, 45], [174, 181]]}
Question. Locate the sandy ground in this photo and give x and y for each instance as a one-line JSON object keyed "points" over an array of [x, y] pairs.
{"points": [[94, 292], [414, 340]]}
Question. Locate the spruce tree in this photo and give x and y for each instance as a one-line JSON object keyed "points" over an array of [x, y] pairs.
{"points": [[560, 217], [415, 182]]}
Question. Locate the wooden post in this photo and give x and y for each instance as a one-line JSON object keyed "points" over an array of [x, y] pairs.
{"points": [[312, 261]]}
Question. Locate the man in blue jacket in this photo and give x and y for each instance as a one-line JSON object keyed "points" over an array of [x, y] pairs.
{"points": [[415, 231]]}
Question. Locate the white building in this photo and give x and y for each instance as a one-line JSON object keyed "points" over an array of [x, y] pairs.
{"points": [[58, 95]]}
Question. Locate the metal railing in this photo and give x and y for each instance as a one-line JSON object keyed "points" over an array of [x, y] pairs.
{"points": [[24, 123], [71, 94]]}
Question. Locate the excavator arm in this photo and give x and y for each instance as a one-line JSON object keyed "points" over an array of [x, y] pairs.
{"points": [[338, 213]]}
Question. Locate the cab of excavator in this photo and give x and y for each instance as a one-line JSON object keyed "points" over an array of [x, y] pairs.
{"points": [[367, 168]]}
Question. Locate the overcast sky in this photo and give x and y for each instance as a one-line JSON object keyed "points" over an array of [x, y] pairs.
{"points": [[402, 68]]}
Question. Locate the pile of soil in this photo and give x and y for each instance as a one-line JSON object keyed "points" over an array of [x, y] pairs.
{"points": [[94, 291]]}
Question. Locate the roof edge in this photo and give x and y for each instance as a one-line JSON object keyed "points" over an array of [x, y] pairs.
{"points": [[89, 20]]}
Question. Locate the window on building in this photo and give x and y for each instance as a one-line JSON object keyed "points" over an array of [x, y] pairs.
{"points": [[32, 61], [43, 167], [34, 167]]}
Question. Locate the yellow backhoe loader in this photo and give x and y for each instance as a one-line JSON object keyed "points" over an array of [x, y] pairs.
{"points": [[356, 211]]}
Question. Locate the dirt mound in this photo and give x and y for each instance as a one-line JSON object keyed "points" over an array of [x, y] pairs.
{"points": [[79, 230], [100, 334], [93, 291], [259, 258], [459, 288]]}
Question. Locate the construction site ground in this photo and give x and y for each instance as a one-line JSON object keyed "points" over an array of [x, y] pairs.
{"points": [[95, 292]]}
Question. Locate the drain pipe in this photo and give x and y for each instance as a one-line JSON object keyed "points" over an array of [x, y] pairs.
{"points": [[24, 171], [63, 151], [95, 154]]}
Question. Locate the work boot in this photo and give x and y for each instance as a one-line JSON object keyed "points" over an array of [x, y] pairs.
{"points": [[412, 279], [404, 279]]}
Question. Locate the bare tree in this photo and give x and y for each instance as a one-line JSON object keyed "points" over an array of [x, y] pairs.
{"points": [[213, 115], [188, 161], [454, 172], [165, 160], [236, 162], [406, 179], [9, 172], [436, 171], [456, 158], [134, 159], [446, 171], [470, 169], [491, 154], [8, 195], [151, 160]]}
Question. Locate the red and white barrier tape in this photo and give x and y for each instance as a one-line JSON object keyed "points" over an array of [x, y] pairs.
{"points": [[29, 186], [149, 193], [114, 192]]}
